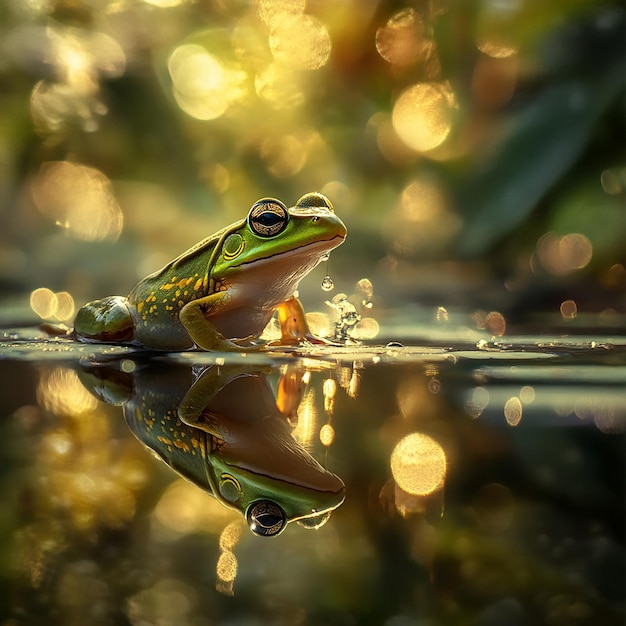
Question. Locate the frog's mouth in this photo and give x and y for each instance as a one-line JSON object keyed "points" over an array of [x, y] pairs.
{"points": [[320, 246]]}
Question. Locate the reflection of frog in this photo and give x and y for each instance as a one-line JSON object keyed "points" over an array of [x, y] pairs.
{"points": [[225, 433], [225, 287]]}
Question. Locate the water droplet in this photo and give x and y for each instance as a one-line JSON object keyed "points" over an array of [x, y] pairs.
{"points": [[394, 344], [327, 283], [482, 344]]}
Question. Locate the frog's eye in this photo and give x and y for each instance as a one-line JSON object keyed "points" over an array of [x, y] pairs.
{"points": [[314, 199], [268, 217], [265, 518]]}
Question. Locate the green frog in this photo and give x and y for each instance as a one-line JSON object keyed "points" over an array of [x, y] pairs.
{"points": [[226, 431], [223, 291]]}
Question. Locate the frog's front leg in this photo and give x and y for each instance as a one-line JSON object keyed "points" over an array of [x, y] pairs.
{"points": [[192, 409], [204, 334]]}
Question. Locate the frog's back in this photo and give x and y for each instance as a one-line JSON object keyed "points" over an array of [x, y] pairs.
{"points": [[156, 301]]}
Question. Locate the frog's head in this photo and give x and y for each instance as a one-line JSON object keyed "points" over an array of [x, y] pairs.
{"points": [[281, 243], [269, 503]]}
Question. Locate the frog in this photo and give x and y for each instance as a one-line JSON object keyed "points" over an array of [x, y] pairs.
{"points": [[226, 431], [221, 293]]}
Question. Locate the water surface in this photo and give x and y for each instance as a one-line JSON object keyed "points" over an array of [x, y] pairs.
{"points": [[445, 478]]}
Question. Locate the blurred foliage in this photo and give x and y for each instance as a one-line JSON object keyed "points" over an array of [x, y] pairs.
{"points": [[451, 138]]}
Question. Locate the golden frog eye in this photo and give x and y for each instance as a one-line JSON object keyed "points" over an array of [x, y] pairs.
{"points": [[268, 217], [265, 518]]}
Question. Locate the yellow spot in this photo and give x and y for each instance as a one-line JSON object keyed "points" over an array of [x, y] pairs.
{"points": [[418, 464], [181, 445], [140, 306], [198, 284]]}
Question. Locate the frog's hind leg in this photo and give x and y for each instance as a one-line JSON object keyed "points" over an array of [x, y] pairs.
{"points": [[108, 320]]}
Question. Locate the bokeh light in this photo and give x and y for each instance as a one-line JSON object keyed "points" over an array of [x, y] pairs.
{"points": [[561, 255], [184, 508], [327, 435], [513, 411], [204, 86], [61, 392], [403, 41], [300, 42], [78, 198], [52, 306], [568, 309], [423, 115], [418, 464]]}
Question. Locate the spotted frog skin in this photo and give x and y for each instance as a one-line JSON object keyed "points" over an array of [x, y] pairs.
{"points": [[227, 287]]}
